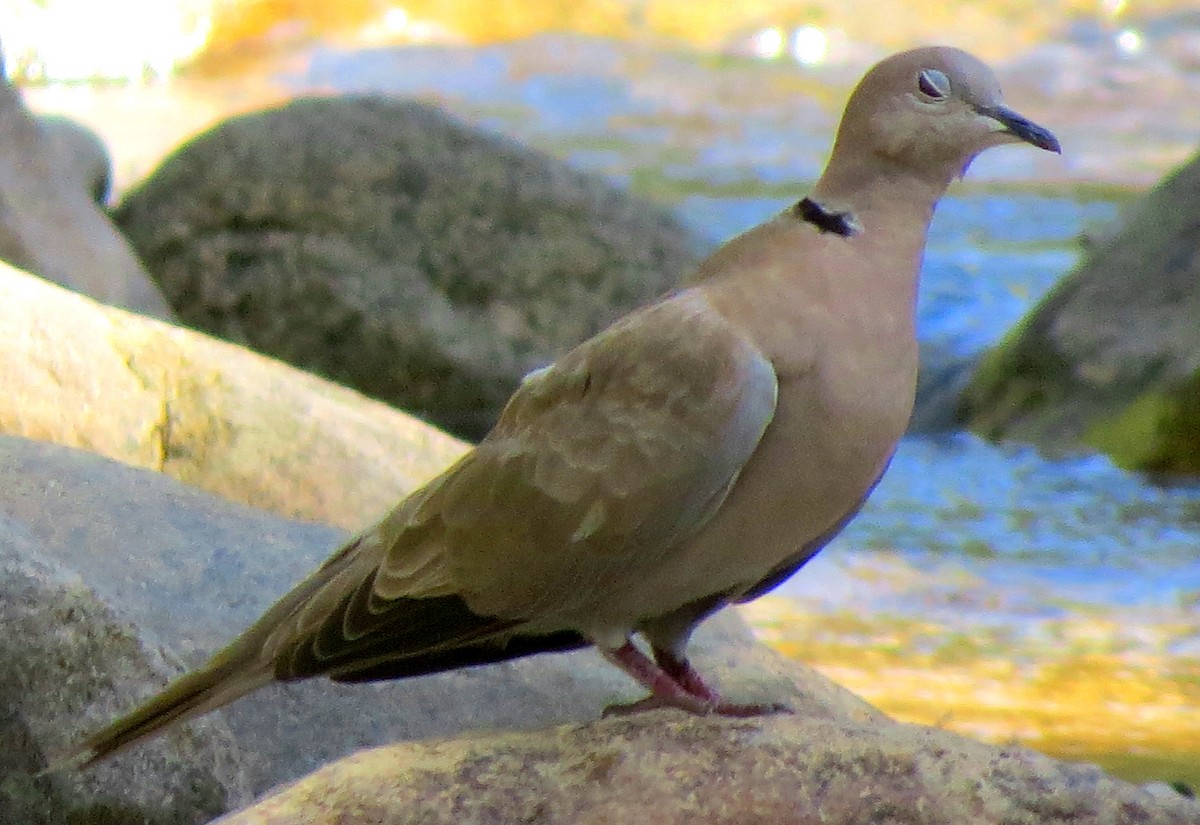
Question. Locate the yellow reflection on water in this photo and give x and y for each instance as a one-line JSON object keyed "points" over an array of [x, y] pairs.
{"points": [[1135, 713], [992, 28]]}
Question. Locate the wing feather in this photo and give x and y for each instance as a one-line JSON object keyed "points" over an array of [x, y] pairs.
{"points": [[599, 464], [608, 459]]}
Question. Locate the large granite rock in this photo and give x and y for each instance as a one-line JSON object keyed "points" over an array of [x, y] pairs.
{"points": [[204, 411], [672, 769], [112, 578], [50, 221], [1110, 359], [396, 250]]}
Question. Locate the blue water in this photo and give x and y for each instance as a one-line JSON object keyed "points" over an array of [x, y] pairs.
{"points": [[1037, 536]]}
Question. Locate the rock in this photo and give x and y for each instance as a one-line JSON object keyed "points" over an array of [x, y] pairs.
{"points": [[204, 411], [944, 373], [82, 155], [666, 767], [394, 249], [144, 569], [1110, 359], [64, 651], [50, 222]]}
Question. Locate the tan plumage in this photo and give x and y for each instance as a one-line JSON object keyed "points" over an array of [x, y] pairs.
{"points": [[693, 454]]}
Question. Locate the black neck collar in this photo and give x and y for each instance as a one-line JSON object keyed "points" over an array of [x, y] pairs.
{"points": [[826, 220]]}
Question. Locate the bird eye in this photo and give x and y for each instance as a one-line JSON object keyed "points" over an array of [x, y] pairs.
{"points": [[933, 84]]}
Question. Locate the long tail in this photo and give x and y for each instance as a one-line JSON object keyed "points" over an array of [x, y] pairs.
{"points": [[217, 683], [330, 624], [230, 674]]}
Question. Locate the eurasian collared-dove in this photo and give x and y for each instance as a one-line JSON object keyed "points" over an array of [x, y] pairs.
{"points": [[696, 453]]}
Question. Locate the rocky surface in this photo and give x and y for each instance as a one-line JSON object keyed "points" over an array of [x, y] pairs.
{"points": [[667, 768], [394, 249], [80, 153], [67, 658], [114, 577], [209, 413], [50, 222], [1110, 359]]}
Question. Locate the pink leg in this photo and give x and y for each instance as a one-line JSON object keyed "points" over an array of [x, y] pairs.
{"points": [[684, 675], [664, 691], [674, 683]]}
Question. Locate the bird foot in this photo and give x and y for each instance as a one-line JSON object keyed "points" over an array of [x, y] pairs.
{"points": [[674, 683], [684, 675]]}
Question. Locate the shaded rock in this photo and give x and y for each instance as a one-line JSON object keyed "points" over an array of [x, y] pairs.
{"points": [[64, 653], [666, 767], [50, 222], [157, 565], [207, 412], [82, 155], [1110, 359], [389, 247], [943, 375]]}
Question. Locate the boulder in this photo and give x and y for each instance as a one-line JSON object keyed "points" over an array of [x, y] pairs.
{"points": [[82, 155], [669, 768], [394, 249], [212, 414], [1110, 359], [69, 661], [50, 221], [114, 578]]}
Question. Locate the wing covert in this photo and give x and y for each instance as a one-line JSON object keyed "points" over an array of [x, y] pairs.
{"points": [[604, 460], [599, 464]]}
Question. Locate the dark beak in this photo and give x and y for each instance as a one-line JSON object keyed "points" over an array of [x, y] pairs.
{"points": [[1018, 126]]}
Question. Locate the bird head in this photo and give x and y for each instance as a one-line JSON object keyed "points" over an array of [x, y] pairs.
{"points": [[931, 111]]}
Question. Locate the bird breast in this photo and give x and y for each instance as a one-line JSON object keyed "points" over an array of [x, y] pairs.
{"points": [[824, 450]]}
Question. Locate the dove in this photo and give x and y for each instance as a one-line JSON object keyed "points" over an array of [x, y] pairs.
{"points": [[694, 454]]}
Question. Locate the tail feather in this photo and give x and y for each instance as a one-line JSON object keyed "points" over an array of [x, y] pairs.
{"points": [[334, 624], [191, 695], [240, 668]]}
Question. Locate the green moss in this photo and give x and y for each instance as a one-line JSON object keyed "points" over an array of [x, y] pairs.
{"points": [[1130, 438], [1004, 388], [1174, 767], [1158, 432]]}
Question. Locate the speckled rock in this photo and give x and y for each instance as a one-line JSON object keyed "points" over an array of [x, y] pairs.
{"points": [[1110, 359], [670, 769], [149, 576], [50, 222], [394, 249], [67, 658]]}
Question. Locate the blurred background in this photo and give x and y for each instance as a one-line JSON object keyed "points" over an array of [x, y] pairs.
{"points": [[985, 588]]}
